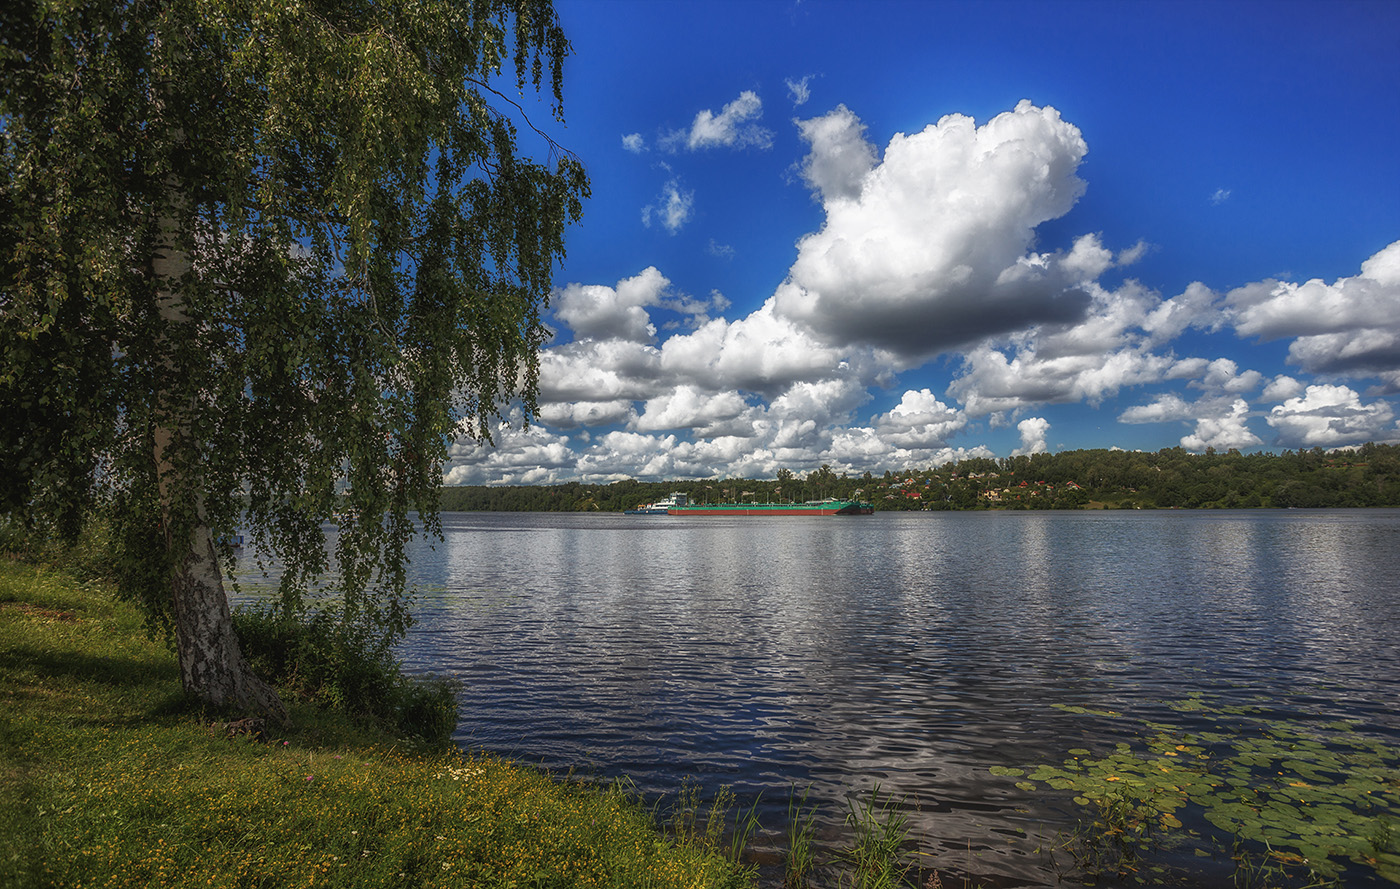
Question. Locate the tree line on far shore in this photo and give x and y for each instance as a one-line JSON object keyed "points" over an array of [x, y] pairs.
{"points": [[1367, 476]]}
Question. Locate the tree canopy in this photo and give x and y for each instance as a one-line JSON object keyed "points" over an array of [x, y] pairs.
{"points": [[260, 260], [1368, 476]]}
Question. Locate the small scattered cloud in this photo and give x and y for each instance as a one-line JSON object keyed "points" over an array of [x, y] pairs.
{"points": [[634, 143], [1281, 388], [696, 312], [672, 209], [733, 127], [1220, 196], [1133, 253], [799, 90], [1224, 376], [719, 251], [1220, 417], [1167, 408]]}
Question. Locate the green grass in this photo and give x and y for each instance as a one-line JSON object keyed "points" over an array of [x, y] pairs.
{"points": [[109, 779]]}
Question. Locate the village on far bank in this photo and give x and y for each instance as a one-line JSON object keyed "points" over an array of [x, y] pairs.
{"points": [[1172, 478]]}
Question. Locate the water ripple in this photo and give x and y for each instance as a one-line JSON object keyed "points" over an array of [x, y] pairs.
{"points": [[915, 651]]}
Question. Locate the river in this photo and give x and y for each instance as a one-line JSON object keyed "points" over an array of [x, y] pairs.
{"points": [[909, 651]]}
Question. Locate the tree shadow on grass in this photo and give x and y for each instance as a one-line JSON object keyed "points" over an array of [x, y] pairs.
{"points": [[89, 689]]}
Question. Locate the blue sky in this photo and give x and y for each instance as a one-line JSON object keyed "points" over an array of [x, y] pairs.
{"points": [[880, 235]]}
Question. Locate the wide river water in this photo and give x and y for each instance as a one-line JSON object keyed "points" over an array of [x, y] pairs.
{"points": [[909, 651]]}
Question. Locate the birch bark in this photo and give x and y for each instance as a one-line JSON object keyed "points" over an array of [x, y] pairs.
{"points": [[212, 666]]}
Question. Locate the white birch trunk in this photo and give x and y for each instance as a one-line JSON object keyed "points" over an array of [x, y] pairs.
{"points": [[212, 666]]}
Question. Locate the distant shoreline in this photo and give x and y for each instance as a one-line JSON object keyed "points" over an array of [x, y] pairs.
{"points": [[1364, 477]]}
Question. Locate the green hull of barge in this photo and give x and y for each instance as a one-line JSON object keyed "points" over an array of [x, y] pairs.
{"points": [[817, 507]]}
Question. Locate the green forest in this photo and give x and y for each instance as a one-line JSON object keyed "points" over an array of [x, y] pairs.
{"points": [[1172, 478]]}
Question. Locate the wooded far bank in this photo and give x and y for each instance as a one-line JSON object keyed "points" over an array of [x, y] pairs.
{"points": [[1083, 479]]}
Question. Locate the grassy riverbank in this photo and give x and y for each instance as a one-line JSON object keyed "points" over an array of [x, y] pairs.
{"points": [[108, 779]]}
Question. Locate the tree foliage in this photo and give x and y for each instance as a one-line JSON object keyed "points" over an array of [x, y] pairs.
{"points": [[261, 260], [1170, 478]]}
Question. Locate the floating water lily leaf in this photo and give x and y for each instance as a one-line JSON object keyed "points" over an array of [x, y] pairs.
{"points": [[1307, 794], [1070, 708]]}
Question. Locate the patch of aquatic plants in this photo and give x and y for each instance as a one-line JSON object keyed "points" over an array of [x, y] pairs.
{"points": [[709, 831], [877, 857], [1292, 801], [877, 851], [799, 860]]}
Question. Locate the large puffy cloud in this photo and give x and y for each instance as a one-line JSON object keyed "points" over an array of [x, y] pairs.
{"points": [[931, 251], [606, 370], [760, 353], [594, 311], [920, 420], [688, 407], [1223, 431], [1351, 326], [1327, 416]]}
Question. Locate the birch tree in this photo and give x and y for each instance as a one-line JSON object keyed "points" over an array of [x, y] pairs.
{"points": [[261, 261]]}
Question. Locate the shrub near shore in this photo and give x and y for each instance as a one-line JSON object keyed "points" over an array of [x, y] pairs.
{"points": [[108, 780]]}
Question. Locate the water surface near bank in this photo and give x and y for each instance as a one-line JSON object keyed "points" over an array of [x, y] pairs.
{"points": [[910, 650]]}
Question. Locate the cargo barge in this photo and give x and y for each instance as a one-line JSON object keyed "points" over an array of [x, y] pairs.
{"points": [[679, 504]]}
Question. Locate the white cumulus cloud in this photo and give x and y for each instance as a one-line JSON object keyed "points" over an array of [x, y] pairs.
{"points": [[840, 157], [598, 312], [914, 262], [1223, 431], [1351, 326], [920, 420], [1033, 431], [1328, 416]]}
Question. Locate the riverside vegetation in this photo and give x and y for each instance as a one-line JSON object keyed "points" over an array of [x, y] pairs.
{"points": [[1367, 476]]}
